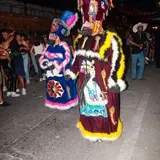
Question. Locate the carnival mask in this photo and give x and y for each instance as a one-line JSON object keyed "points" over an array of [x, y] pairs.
{"points": [[55, 25]]}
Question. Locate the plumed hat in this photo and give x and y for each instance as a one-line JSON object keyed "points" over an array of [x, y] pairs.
{"points": [[61, 27]]}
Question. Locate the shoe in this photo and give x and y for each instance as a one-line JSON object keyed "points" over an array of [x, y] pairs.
{"points": [[9, 94], [4, 104], [24, 91], [18, 90], [28, 82], [14, 94], [4, 89], [41, 79]]}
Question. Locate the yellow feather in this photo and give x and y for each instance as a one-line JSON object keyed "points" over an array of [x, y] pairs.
{"points": [[111, 136], [76, 40], [107, 44]]}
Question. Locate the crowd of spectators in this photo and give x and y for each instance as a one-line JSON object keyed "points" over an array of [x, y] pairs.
{"points": [[18, 53]]}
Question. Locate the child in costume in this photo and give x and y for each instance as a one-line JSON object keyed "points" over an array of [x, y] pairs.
{"points": [[99, 65], [60, 93]]}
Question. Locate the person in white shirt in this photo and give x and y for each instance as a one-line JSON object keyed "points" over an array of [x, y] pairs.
{"points": [[36, 50]]}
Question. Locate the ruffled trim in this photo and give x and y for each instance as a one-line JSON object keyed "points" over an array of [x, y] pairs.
{"points": [[62, 106], [70, 73], [100, 136], [88, 54]]}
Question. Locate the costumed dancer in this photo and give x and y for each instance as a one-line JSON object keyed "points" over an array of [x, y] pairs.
{"points": [[100, 65], [60, 93]]}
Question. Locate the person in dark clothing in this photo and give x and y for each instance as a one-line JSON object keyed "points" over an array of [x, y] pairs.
{"points": [[17, 61], [7, 68], [157, 49], [139, 44], [3, 57], [24, 48]]}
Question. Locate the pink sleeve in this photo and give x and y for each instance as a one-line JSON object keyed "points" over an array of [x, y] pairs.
{"points": [[67, 55], [43, 54]]}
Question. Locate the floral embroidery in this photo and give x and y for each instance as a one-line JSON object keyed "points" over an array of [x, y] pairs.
{"points": [[54, 89]]}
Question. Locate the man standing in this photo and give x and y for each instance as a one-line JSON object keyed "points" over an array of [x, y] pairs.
{"points": [[139, 45]]}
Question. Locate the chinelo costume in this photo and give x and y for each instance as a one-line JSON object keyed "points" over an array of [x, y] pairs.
{"points": [[60, 93], [100, 65]]}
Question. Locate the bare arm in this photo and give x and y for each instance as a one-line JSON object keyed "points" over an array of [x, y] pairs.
{"points": [[32, 50], [43, 46], [2, 49], [133, 43], [147, 47]]}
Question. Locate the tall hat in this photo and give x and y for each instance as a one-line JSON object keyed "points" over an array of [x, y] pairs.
{"points": [[94, 11], [61, 27]]}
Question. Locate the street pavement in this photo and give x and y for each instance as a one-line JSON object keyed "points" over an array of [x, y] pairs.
{"points": [[30, 131]]}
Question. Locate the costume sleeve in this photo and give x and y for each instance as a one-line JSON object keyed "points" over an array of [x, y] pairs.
{"points": [[117, 64], [73, 72], [67, 53], [43, 61]]}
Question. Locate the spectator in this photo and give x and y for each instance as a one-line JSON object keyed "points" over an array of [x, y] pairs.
{"points": [[6, 65], [152, 47], [18, 60], [139, 44], [36, 50], [24, 48], [157, 49]]}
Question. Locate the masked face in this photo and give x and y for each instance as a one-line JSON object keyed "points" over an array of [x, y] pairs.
{"points": [[54, 26], [52, 36]]}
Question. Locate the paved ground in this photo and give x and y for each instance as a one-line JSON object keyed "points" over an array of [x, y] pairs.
{"points": [[29, 131]]}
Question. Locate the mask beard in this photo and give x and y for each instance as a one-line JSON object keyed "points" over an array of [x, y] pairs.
{"points": [[86, 32], [51, 42]]}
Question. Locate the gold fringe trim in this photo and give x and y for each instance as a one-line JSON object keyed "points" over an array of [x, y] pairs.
{"points": [[103, 136]]}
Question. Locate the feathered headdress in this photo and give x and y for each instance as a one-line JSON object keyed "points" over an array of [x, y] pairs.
{"points": [[61, 27], [69, 18]]}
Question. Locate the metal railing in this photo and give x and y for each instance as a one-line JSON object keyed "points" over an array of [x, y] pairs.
{"points": [[29, 11]]}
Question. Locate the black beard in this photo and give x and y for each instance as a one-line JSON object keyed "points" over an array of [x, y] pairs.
{"points": [[85, 32], [51, 42]]}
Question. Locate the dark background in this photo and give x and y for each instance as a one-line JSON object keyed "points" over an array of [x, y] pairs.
{"points": [[147, 5], [57, 4]]}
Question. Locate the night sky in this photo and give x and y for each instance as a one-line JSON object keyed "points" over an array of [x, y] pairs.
{"points": [[147, 5], [142, 5]]}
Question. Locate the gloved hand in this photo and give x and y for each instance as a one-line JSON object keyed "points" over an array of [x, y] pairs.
{"points": [[67, 77], [44, 64], [115, 89]]}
